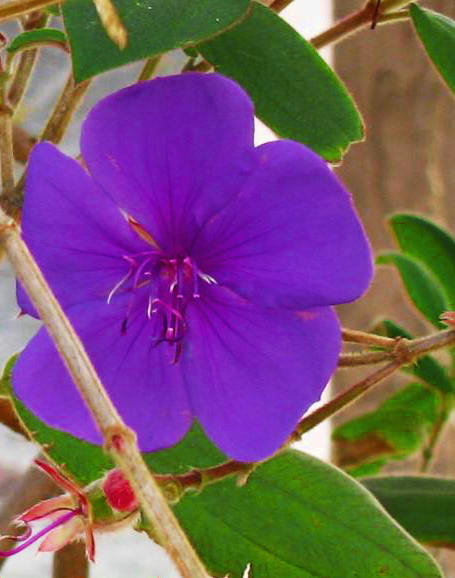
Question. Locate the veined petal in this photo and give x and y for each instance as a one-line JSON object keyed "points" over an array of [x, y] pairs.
{"points": [[46, 507], [251, 373], [291, 238], [74, 230], [171, 151], [143, 384]]}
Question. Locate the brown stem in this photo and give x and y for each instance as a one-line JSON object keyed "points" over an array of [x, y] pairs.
{"points": [[11, 201], [18, 86], [26, 63], [354, 336], [149, 68], [22, 144], [70, 562], [6, 148], [66, 105], [17, 7], [369, 358]]}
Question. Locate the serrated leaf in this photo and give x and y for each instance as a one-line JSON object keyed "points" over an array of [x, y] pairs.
{"points": [[421, 286], [294, 91], [34, 38], [437, 33], [424, 240], [298, 517], [424, 506], [426, 368], [398, 427], [153, 26]]}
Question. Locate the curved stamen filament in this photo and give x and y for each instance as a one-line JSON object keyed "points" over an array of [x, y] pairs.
{"points": [[29, 540]]}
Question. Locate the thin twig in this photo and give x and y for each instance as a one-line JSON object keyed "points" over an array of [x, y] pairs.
{"points": [[119, 439], [18, 7], [354, 336], [368, 358], [6, 147], [149, 68], [26, 63], [67, 103], [438, 428]]}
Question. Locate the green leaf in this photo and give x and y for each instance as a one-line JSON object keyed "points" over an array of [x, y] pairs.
{"points": [[426, 368], [297, 517], [34, 38], [422, 239], [398, 427], [421, 286], [437, 33], [424, 506], [295, 93], [5, 379], [153, 28]]}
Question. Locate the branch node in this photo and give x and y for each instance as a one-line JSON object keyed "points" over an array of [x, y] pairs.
{"points": [[117, 437]]}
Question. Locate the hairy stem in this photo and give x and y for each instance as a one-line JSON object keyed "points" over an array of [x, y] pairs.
{"points": [[120, 440], [354, 336], [370, 14]]}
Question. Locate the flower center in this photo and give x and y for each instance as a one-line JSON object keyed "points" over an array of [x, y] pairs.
{"points": [[170, 284]]}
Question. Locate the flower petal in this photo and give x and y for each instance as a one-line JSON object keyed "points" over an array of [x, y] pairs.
{"points": [[62, 535], [147, 390], [171, 151], [291, 238], [251, 373], [73, 229]]}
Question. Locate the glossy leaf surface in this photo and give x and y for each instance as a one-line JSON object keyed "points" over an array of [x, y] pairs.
{"points": [[294, 91]]}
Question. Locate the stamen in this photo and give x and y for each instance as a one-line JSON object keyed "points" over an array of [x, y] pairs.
{"points": [[31, 540], [196, 293], [207, 278], [118, 285]]}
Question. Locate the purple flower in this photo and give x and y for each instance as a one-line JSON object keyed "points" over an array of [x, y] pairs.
{"points": [[199, 271]]}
